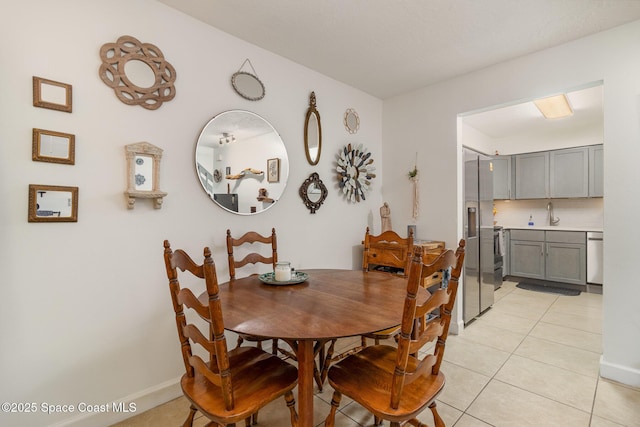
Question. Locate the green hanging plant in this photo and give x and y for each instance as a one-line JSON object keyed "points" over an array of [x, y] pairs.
{"points": [[414, 172]]}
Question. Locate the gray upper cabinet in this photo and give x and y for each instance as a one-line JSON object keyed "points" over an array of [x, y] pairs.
{"points": [[569, 173], [532, 175], [560, 174], [502, 178], [596, 174]]}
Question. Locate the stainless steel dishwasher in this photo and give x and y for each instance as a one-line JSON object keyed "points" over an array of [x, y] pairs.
{"points": [[595, 242]]}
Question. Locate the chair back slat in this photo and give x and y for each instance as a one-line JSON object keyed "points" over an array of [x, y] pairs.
{"points": [[180, 259], [203, 368], [185, 297], [425, 322], [217, 369], [193, 333], [251, 237], [424, 368]]}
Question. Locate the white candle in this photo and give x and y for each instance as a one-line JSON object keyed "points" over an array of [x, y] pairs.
{"points": [[283, 272]]}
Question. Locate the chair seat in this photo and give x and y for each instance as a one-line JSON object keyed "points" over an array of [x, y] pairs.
{"points": [[366, 377], [383, 334], [258, 378]]}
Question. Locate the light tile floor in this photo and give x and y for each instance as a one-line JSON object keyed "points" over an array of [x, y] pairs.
{"points": [[530, 360]]}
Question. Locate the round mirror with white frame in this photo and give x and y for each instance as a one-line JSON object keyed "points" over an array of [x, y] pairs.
{"points": [[312, 132], [252, 159]]}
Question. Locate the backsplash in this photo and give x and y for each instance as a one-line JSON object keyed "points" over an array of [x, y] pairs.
{"points": [[572, 212]]}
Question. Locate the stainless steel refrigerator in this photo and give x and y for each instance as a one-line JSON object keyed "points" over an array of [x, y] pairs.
{"points": [[478, 279]]}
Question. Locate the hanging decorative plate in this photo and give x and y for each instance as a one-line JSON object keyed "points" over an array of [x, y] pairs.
{"points": [[355, 172]]}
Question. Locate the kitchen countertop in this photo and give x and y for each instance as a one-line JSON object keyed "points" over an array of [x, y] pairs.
{"points": [[551, 227]]}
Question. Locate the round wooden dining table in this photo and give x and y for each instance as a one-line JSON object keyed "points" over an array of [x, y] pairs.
{"points": [[330, 304]]}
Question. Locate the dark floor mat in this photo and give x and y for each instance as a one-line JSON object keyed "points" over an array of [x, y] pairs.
{"points": [[548, 289]]}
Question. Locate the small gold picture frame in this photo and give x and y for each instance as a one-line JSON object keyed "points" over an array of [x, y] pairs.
{"points": [[51, 94], [273, 170], [53, 203], [54, 147]]}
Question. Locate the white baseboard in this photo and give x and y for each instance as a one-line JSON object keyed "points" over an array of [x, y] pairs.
{"points": [[619, 373], [143, 401], [456, 327]]}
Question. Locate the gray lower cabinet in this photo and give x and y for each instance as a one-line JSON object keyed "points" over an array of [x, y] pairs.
{"points": [[527, 254], [558, 256]]}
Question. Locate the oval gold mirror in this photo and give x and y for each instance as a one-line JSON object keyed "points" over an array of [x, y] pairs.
{"points": [[242, 162], [312, 132], [313, 192]]}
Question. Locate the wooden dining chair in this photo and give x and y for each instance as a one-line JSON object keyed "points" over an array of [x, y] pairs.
{"points": [[386, 250], [391, 253], [226, 386], [397, 384], [251, 238]]}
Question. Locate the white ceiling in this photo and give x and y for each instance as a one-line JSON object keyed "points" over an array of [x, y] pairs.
{"points": [[389, 47], [525, 118]]}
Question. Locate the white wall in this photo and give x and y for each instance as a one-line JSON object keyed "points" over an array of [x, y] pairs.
{"points": [[425, 121], [86, 313]]}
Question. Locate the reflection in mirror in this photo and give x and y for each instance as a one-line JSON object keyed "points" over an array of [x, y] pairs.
{"points": [[351, 120], [313, 192], [139, 73], [312, 132], [51, 203], [54, 147], [237, 141]]}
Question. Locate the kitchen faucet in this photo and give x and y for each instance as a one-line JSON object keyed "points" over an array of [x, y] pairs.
{"points": [[552, 219]]}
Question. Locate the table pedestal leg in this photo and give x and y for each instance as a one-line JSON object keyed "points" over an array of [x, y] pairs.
{"points": [[305, 383]]}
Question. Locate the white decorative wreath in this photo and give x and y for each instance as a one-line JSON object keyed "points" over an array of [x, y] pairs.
{"points": [[355, 172]]}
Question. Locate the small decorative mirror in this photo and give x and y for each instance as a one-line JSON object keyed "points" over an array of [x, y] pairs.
{"points": [[351, 120], [313, 192], [143, 160], [53, 203], [246, 84], [137, 72], [52, 95], [312, 132], [54, 147]]}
